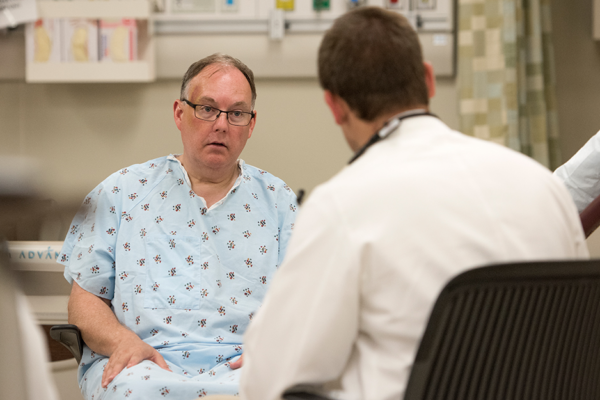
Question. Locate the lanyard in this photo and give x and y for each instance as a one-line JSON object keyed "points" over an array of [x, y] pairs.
{"points": [[387, 129]]}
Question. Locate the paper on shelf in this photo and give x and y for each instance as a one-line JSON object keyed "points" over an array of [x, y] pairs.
{"points": [[80, 40], [118, 40], [43, 41]]}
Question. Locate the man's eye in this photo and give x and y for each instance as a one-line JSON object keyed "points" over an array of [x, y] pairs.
{"points": [[206, 109], [237, 113]]}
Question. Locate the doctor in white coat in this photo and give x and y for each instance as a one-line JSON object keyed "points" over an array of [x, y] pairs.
{"points": [[373, 247]]}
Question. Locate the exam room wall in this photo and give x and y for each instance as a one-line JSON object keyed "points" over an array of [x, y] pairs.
{"points": [[81, 133]]}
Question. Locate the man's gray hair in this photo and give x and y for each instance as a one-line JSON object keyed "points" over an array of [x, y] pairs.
{"points": [[221, 59]]}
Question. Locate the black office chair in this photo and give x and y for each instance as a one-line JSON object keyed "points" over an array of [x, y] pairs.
{"points": [[515, 331], [70, 337]]}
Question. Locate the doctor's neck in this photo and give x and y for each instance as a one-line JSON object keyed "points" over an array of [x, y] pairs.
{"points": [[358, 131]]}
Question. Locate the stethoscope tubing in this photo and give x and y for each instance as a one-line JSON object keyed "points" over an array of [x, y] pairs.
{"points": [[384, 132]]}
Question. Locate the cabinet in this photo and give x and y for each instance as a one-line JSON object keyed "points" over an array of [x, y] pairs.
{"points": [[142, 70]]}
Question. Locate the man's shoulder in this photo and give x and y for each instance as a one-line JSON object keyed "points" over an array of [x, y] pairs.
{"points": [[141, 172], [261, 177], [491, 154], [258, 173], [419, 164]]}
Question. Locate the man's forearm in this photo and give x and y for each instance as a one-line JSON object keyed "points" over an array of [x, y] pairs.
{"points": [[99, 326]]}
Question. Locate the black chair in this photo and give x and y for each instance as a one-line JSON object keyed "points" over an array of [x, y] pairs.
{"points": [[70, 337], [515, 331]]}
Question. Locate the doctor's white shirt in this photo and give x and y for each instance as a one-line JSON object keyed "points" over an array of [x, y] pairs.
{"points": [[373, 247]]}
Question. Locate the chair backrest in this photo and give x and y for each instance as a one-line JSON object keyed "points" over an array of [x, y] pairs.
{"points": [[514, 331]]}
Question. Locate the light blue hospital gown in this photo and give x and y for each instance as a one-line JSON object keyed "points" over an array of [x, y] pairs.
{"points": [[184, 278]]}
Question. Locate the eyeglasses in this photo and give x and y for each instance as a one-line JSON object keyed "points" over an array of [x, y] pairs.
{"points": [[209, 113]]}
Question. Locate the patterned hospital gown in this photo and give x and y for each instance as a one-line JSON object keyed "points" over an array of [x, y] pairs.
{"points": [[184, 278]]}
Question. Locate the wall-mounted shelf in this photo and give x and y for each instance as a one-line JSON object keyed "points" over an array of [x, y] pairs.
{"points": [[176, 40], [142, 70], [138, 9]]}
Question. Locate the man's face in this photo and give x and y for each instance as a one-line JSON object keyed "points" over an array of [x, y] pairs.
{"points": [[215, 145]]}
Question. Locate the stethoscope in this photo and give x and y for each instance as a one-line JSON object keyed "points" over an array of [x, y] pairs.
{"points": [[388, 128]]}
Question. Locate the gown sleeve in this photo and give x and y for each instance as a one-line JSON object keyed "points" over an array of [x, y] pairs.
{"points": [[287, 209], [88, 252]]}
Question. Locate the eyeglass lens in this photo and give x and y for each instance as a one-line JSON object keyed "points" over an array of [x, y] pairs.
{"points": [[234, 117]]}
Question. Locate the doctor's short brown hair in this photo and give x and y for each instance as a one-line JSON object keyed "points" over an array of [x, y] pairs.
{"points": [[372, 59]]}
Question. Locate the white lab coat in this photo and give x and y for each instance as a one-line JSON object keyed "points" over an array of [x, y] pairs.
{"points": [[373, 247], [581, 174]]}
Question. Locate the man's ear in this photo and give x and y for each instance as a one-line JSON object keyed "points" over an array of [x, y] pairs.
{"points": [[177, 112], [338, 107], [252, 124], [429, 79]]}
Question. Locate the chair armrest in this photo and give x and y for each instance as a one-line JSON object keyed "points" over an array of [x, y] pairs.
{"points": [[70, 337], [304, 392]]}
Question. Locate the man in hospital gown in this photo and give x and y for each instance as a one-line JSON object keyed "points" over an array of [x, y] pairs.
{"points": [[170, 259], [373, 246]]}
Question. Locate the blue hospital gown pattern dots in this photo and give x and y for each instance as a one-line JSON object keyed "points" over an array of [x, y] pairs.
{"points": [[184, 278]]}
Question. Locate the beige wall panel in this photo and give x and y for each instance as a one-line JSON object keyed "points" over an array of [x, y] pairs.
{"points": [[294, 56], [445, 104], [578, 73], [12, 54], [295, 136], [83, 132], [10, 122]]}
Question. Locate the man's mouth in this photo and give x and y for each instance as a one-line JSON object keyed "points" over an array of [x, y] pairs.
{"points": [[217, 144]]}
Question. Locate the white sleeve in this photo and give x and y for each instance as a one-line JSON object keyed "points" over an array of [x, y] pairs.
{"points": [[581, 174], [305, 330]]}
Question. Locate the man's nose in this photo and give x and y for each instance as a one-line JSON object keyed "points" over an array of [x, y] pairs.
{"points": [[221, 121]]}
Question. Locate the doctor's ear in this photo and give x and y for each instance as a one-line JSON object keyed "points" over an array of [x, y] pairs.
{"points": [[429, 79], [339, 108]]}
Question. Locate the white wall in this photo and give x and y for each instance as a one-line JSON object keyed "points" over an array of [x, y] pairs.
{"points": [[81, 133]]}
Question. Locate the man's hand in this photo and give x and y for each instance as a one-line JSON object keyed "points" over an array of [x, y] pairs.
{"points": [[238, 363], [128, 353], [103, 333]]}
